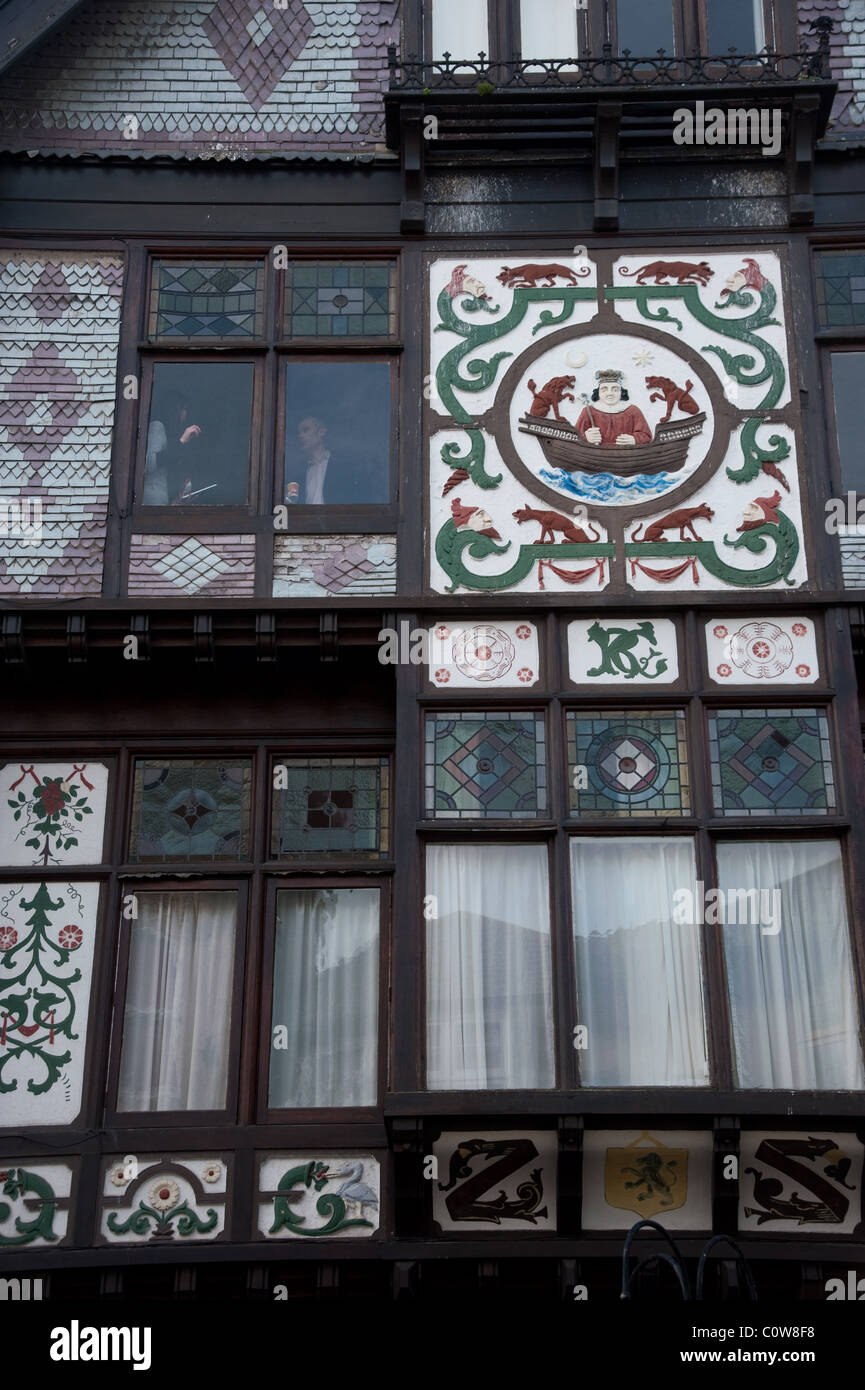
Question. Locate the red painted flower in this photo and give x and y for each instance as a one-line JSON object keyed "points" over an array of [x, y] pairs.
{"points": [[51, 796], [443, 677], [70, 937], [8, 937], [525, 674], [442, 632], [723, 669], [524, 631], [799, 629], [719, 631], [761, 650], [803, 671]]}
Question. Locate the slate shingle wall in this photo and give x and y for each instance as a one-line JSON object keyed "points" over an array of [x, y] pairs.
{"points": [[216, 77], [847, 48]]}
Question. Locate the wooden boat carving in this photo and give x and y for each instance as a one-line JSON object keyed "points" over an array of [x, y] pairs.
{"points": [[564, 447]]}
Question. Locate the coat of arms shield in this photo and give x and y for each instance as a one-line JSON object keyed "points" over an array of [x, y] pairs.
{"points": [[646, 1177]]}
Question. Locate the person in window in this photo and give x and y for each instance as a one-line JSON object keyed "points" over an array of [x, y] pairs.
{"points": [[173, 471], [325, 479], [606, 421]]}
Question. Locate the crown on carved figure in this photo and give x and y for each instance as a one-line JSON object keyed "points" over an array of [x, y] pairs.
{"points": [[610, 374]]}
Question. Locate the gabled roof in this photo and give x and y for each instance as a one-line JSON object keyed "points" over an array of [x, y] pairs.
{"points": [[24, 22]]}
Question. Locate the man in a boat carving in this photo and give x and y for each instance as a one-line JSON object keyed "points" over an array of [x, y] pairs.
{"points": [[606, 420]]}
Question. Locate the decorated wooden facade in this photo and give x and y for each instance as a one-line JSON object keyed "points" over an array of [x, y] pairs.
{"points": [[431, 791]]}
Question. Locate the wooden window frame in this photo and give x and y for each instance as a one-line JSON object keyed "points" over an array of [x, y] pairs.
{"points": [[117, 1119], [349, 1114]]}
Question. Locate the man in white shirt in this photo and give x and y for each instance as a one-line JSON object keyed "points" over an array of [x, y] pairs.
{"points": [[310, 434]]}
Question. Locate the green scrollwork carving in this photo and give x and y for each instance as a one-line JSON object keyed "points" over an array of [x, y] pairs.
{"points": [[482, 372], [138, 1221], [330, 1205], [17, 1182], [743, 330], [473, 461], [755, 455], [782, 536], [452, 545]]}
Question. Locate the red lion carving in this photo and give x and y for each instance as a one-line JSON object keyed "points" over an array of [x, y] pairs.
{"points": [[551, 522], [551, 396], [683, 272], [526, 276], [666, 390], [682, 520]]}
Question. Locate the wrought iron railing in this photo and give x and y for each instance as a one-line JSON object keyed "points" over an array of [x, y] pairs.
{"points": [[610, 69]]}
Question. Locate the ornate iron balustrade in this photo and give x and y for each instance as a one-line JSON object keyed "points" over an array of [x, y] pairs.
{"points": [[412, 75]]}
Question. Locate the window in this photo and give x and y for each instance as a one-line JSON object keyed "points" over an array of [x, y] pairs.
{"points": [[177, 1009], [489, 990], [186, 1005], [735, 24], [644, 26], [325, 995], [202, 445], [793, 1011], [639, 979], [848, 385], [460, 28], [576, 857]]}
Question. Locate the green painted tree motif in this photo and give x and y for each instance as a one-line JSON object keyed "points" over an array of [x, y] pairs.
{"points": [[17, 1182], [50, 812], [140, 1220], [313, 1174], [38, 991]]}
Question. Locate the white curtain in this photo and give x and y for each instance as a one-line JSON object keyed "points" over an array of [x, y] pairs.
{"points": [[459, 27], [178, 1002], [639, 981], [792, 1000], [325, 994], [489, 991]]}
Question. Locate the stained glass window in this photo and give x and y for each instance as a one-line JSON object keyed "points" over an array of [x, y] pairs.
{"points": [[625, 762], [485, 765], [340, 299], [840, 288], [771, 762], [190, 808], [206, 299], [333, 806]]}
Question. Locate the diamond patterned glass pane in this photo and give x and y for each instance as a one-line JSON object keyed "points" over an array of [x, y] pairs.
{"points": [[190, 808], [333, 806], [769, 762], [340, 299], [840, 288], [206, 299], [626, 762], [485, 766]]}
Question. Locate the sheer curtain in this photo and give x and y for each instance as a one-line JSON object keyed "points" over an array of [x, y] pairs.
{"points": [[178, 1002], [489, 991], [639, 982], [325, 994], [793, 1007]]}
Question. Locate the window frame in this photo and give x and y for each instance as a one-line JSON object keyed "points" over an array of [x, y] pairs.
{"points": [[171, 883], [265, 1114]]}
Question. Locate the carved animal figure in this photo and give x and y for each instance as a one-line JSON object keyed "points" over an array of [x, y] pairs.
{"points": [[664, 389], [681, 520], [551, 396], [551, 522], [683, 272], [527, 275]]}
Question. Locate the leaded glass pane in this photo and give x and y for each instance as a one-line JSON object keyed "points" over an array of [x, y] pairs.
{"points": [[840, 288], [625, 762], [485, 766], [333, 806], [206, 299], [771, 762], [190, 808], [340, 299]]}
